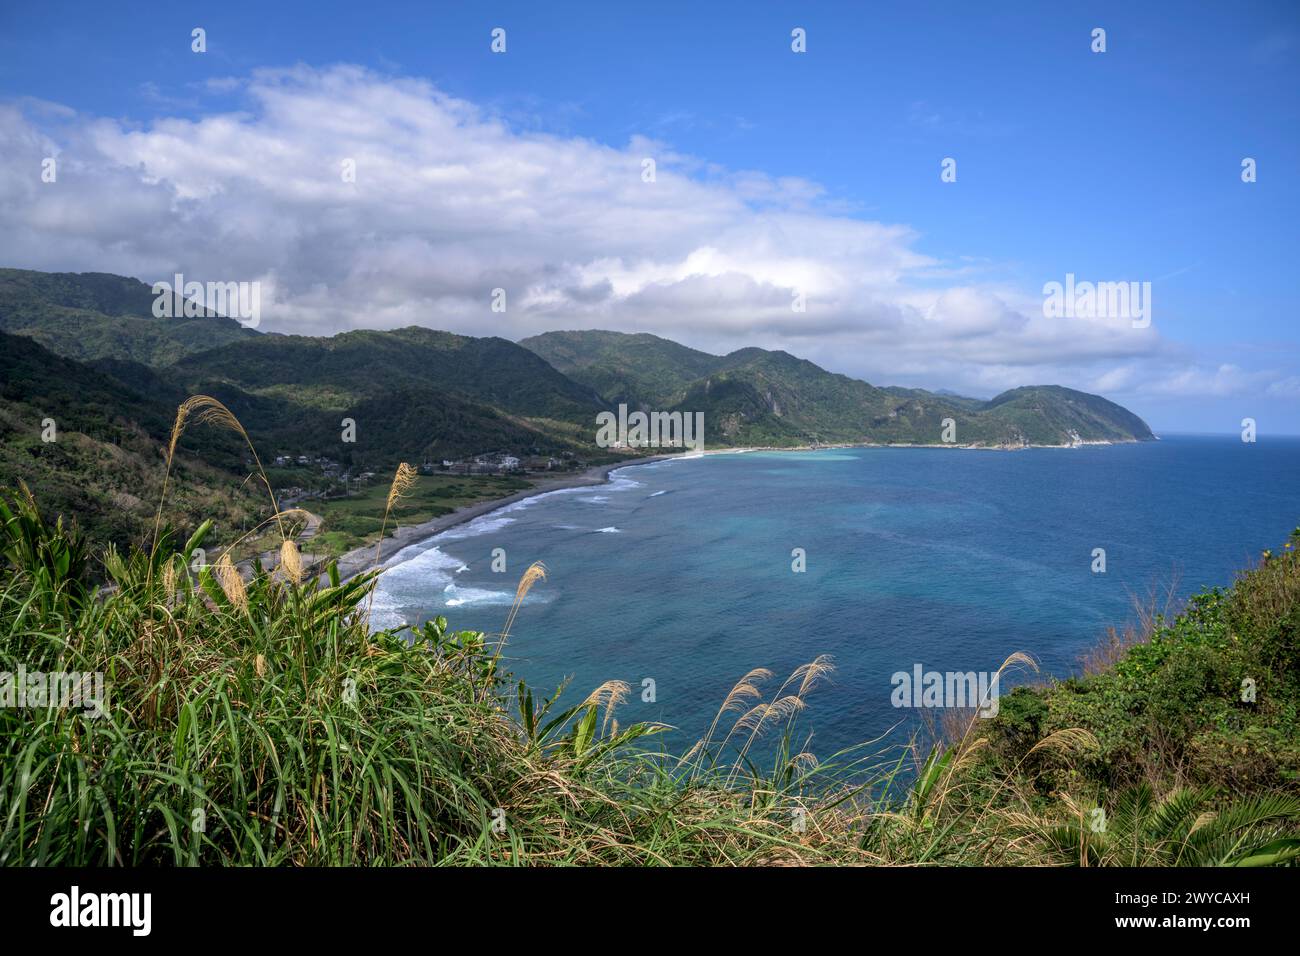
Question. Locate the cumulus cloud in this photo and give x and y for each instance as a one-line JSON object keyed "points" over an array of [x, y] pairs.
{"points": [[450, 202]]}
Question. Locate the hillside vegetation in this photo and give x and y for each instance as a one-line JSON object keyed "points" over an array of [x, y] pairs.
{"points": [[103, 464], [417, 393], [340, 371], [93, 315], [413, 394], [260, 722], [757, 397]]}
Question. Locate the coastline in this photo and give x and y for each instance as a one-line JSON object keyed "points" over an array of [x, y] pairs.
{"points": [[1082, 443], [354, 562], [360, 559]]}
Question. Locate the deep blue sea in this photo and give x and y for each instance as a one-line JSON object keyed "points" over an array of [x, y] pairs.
{"points": [[681, 571]]}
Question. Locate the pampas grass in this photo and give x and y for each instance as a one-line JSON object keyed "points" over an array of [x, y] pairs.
{"points": [[536, 572], [403, 481], [199, 410], [608, 696], [291, 562], [232, 582], [746, 689]]}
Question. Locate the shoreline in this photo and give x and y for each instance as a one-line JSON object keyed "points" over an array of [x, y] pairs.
{"points": [[354, 562], [947, 445], [358, 560]]}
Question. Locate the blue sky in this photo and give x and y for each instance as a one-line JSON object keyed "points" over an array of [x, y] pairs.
{"points": [[1123, 165]]}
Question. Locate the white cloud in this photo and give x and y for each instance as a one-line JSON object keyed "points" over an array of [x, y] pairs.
{"points": [[1225, 380], [450, 202], [1288, 387]]}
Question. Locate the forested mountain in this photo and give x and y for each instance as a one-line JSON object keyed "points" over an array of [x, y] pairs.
{"points": [[88, 353], [88, 445], [91, 315], [758, 397]]}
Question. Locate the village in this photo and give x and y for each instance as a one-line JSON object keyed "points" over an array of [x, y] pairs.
{"points": [[302, 477]]}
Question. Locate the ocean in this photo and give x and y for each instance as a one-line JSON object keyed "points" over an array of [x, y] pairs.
{"points": [[678, 577]]}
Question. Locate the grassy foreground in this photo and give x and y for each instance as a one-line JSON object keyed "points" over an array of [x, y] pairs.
{"points": [[260, 723]]}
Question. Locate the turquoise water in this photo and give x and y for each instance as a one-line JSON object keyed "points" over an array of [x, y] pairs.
{"points": [[681, 571]]}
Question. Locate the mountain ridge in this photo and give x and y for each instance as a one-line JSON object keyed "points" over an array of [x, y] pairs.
{"points": [[93, 315], [449, 394], [764, 397], [86, 351]]}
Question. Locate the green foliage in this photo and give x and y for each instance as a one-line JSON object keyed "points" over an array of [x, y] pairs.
{"points": [[757, 397], [1208, 698], [104, 465], [56, 557], [1185, 828], [261, 724], [93, 315]]}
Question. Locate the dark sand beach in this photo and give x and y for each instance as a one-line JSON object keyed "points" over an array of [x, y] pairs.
{"points": [[357, 560]]}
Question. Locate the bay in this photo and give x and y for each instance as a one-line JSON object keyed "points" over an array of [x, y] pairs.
{"points": [[680, 572]]}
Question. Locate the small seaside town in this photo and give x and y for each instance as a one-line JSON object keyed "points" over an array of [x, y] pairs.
{"points": [[323, 477]]}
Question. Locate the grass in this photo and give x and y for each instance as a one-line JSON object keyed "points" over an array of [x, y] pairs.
{"points": [[356, 520], [350, 522], [259, 722]]}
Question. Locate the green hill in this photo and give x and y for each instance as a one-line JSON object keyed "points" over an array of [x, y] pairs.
{"points": [[339, 371], [418, 394], [638, 369], [1043, 410], [415, 394], [105, 463], [93, 315], [758, 397], [113, 419]]}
